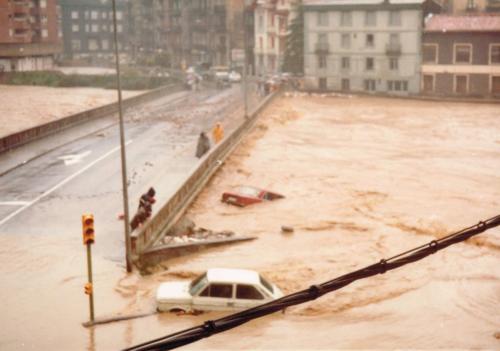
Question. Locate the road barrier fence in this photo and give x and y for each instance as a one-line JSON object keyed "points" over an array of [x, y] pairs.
{"points": [[145, 237]]}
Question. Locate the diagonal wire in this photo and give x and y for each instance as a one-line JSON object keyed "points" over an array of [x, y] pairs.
{"points": [[209, 328]]}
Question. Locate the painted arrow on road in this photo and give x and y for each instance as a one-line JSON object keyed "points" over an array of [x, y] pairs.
{"points": [[73, 159]]}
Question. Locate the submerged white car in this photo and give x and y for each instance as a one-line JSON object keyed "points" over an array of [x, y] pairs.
{"points": [[218, 289]]}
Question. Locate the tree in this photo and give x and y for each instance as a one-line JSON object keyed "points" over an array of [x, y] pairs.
{"points": [[293, 61]]}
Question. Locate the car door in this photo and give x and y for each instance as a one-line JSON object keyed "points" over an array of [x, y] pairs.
{"points": [[248, 296], [215, 297]]}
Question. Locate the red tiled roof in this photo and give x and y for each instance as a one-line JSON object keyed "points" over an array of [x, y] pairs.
{"points": [[466, 23]]}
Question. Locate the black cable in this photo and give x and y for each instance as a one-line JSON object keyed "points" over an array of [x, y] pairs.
{"points": [[209, 328]]}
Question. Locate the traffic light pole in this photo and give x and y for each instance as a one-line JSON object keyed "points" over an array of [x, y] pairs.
{"points": [[89, 273], [126, 216]]}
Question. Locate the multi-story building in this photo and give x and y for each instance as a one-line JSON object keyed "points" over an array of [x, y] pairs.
{"points": [[470, 6], [87, 27], [271, 27], [29, 37], [461, 55], [368, 46], [146, 27], [201, 32]]}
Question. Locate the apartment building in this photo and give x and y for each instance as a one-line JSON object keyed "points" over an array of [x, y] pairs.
{"points": [[461, 55], [146, 27], [365, 46], [87, 27], [29, 37], [271, 27], [204, 32]]}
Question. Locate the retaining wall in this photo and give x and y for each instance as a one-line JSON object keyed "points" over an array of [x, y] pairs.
{"points": [[17, 139], [154, 229]]}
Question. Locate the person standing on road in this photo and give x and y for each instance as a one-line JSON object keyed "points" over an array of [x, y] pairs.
{"points": [[218, 133], [203, 145]]}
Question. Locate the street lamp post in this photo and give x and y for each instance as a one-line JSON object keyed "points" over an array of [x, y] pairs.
{"points": [[122, 149], [245, 61]]}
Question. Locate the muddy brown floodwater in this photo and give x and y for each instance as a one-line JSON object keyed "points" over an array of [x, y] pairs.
{"points": [[365, 178]]}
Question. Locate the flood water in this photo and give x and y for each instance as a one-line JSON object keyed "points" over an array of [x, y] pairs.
{"points": [[364, 179]]}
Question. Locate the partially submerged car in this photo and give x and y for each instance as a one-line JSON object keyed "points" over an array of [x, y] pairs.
{"points": [[247, 195], [218, 289]]}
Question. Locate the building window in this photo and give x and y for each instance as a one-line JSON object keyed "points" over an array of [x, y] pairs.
{"points": [[346, 63], [397, 85], [430, 53], [369, 64], [393, 63], [45, 33], [345, 19], [494, 54], [394, 18], [428, 83], [370, 18], [94, 15], [87, 28], [323, 84], [370, 40], [75, 28], [104, 15], [95, 28], [346, 84], [119, 28], [104, 27], [261, 22], [74, 14], [322, 19], [346, 41], [369, 84], [461, 84], [76, 45], [322, 61], [463, 53], [495, 85], [93, 45], [105, 44], [119, 15], [43, 4]]}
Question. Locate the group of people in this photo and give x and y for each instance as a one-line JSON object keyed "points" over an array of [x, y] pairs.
{"points": [[147, 199], [204, 142], [145, 208]]}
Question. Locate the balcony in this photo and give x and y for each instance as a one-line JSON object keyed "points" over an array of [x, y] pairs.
{"points": [[393, 49], [322, 48]]}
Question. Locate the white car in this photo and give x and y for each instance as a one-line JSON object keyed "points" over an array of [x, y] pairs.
{"points": [[234, 77], [218, 289]]}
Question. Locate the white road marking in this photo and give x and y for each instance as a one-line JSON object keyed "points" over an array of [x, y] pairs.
{"points": [[76, 158], [57, 186], [13, 203]]}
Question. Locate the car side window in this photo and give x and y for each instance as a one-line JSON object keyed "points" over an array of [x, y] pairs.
{"points": [[218, 290], [248, 292]]}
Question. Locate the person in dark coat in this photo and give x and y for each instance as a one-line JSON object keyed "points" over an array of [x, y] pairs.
{"points": [[203, 145], [145, 208]]}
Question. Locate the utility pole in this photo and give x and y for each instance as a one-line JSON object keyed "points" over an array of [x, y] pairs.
{"points": [[245, 61], [126, 220]]}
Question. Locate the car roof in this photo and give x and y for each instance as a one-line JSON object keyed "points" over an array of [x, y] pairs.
{"points": [[230, 275]]}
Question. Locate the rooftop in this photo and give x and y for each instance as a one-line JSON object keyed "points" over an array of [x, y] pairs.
{"points": [[466, 23]]}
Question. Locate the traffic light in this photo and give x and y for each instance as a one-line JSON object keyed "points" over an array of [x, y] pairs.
{"points": [[88, 289], [88, 229]]}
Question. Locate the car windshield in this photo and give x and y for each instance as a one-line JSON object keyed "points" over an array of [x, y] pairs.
{"points": [[266, 284], [197, 284]]}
